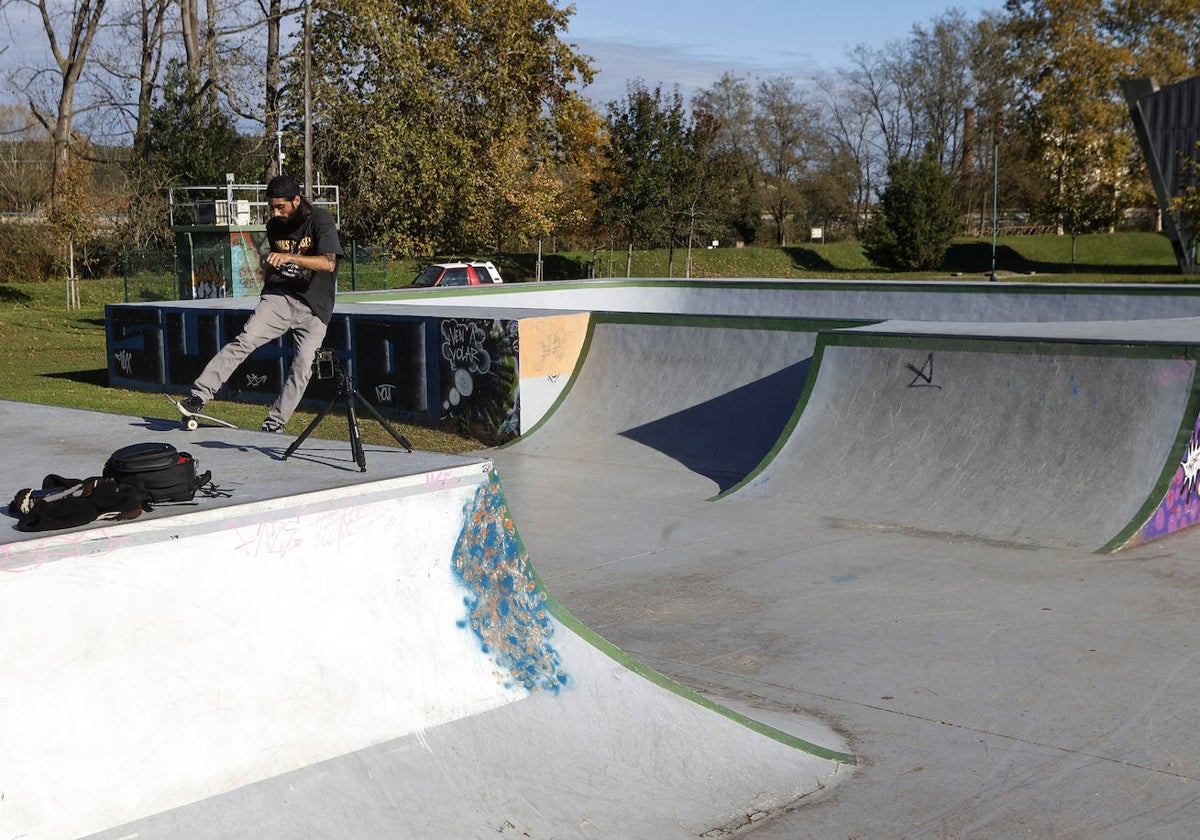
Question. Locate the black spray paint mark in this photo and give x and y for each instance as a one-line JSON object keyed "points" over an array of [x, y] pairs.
{"points": [[924, 374]]}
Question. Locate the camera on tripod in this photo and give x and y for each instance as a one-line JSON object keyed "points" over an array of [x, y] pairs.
{"points": [[324, 366]]}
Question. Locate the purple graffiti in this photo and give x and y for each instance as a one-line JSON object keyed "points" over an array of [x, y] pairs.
{"points": [[1180, 508]]}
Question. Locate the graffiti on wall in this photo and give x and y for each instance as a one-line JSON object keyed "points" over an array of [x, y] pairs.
{"points": [[479, 368], [207, 280], [246, 250], [924, 374], [506, 608], [551, 345], [1180, 508]]}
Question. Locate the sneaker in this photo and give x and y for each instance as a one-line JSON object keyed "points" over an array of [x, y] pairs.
{"points": [[273, 426], [191, 403]]}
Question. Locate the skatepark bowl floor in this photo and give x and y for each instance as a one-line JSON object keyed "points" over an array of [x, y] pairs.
{"points": [[818, 575]]}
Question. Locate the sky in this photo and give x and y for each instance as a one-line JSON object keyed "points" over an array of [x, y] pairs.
{"points": [[687, 42], [693, 42]]}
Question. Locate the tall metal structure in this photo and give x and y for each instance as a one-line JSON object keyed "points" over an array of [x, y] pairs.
{"points": [[1167, 121]]}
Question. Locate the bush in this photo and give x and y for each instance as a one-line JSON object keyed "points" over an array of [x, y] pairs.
{"points": [[27, 254], [916, 219], [100, 256]]}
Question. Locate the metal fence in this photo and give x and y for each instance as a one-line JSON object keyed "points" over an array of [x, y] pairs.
{"points": [[152, 275]]}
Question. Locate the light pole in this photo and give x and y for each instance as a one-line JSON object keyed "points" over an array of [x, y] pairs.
{"points": [[995, 189], [308, 103]]}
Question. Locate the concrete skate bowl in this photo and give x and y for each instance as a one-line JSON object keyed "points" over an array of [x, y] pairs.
{"points": [[1020, 441]]}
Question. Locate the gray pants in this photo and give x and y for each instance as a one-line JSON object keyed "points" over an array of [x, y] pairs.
{"points": [[274, 315]]}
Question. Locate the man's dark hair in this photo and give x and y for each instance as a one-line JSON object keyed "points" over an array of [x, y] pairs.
{"points": [[283, 186]]}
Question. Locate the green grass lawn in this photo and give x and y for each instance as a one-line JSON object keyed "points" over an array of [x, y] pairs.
{"points": [[1099, 258], [55, 356]]}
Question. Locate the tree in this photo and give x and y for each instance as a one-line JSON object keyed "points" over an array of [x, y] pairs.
{"points": [[578, 136], [783, 136], [413, 98], [847, 146], [1187, 203], [942, 86], [187, 142], [1071, 111], [70, 218], [1163, 36], [987, 143], [70, 59], [685, 163], [727, 109], [25, 161], [191, 141], [916, 218], [641, 186]]}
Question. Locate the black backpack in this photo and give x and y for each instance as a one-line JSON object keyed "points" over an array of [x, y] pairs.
{"points": [[162, 472]]}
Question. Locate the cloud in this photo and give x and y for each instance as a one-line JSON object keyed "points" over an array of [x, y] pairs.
{"points": [[666, 65]]}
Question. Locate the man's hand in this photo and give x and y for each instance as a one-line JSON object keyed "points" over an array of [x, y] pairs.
{"points": [[314, 262]]}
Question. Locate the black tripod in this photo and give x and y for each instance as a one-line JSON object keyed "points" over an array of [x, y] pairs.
{"points": [[347, 395]]}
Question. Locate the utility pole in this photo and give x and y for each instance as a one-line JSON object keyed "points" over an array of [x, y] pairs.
{"points": [[308, 169], [995, 190]]}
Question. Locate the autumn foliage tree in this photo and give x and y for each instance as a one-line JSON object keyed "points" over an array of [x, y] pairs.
{"points": [[414, 99], [1071, 110]]}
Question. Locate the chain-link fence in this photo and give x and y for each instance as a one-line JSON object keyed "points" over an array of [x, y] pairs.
{"points": [[149, 275], [152, 275], [367, 269]]}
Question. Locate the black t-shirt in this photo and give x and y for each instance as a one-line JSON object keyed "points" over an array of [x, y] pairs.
{"points": [[313, 236]]}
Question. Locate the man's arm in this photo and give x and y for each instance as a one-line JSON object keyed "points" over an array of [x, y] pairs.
{"points": [[313, 262]]}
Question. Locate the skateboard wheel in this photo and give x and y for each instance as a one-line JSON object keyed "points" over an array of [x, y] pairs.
{"points": [[192, 424]]}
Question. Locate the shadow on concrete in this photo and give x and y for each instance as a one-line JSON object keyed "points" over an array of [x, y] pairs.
{"points": [[725, 438]]}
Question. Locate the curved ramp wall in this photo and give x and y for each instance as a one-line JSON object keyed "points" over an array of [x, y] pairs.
{"points": [[372, 663], [1020, 441], [709, 393]]}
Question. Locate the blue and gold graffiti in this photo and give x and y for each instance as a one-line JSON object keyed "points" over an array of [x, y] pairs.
{"points": [[505, 608]]}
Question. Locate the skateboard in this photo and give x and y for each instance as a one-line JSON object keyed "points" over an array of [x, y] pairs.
{"points": [[192, 419]]}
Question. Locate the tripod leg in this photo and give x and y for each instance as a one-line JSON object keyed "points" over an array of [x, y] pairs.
{"points": [[400, 439], [308, 429], [356, 446]]}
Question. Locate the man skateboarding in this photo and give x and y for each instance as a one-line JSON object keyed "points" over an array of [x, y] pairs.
{"points": [[298, 288]]}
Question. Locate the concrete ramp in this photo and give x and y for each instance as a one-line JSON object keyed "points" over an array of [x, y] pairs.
{"points": [[376, 660], [710, 394], [1013, 435]]}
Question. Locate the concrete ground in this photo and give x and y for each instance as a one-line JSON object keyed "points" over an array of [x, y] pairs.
{"points": [[991, 688], [289, 655], [990, 684]]}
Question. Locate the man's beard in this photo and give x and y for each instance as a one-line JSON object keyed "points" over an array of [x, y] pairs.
{"points": [[290, 223]]}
